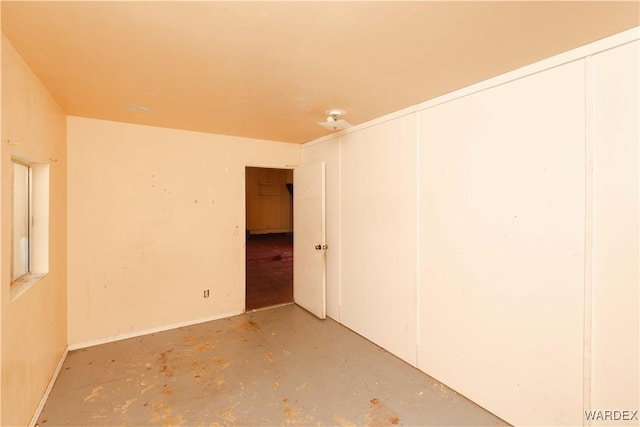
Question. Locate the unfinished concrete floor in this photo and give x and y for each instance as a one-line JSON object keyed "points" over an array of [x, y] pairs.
{"points": [[280, 366]]}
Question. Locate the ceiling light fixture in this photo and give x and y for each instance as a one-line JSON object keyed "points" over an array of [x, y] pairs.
{"points": [[334, 120]]}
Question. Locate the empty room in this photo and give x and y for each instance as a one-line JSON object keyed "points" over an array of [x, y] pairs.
{"points": [[320, 213]]}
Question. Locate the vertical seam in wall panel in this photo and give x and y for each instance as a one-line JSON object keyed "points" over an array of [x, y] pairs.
{"points": [[588, 237], [1, 240], [339, 198], [418, 132]]}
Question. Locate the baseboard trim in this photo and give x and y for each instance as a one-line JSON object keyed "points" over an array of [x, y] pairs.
{"points": [[269, 307], [120, 337], [45, 396]]}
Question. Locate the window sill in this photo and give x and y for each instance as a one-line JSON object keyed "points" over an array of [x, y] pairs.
{"points": [[23, 284]]}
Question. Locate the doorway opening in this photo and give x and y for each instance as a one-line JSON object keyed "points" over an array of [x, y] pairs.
{"points": [[269, 237]]}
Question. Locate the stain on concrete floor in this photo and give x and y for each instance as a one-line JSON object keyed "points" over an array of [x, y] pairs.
{"points": [[280, 366]]}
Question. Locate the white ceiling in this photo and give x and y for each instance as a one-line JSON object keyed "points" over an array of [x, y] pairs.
{"points": [[269, 70]]}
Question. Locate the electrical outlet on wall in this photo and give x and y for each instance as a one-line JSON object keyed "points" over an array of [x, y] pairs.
{"points": [[206, 293]]}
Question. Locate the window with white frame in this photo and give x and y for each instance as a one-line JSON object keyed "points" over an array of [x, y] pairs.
{"points": [[22, 219], [30, 224]]}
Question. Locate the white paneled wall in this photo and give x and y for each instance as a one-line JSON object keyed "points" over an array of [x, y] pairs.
{"points": [[615, 323], [378, 221], [501, 246], [477, 242]]}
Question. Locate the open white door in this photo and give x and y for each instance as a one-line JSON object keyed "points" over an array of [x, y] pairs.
{"points": [[309, 245]]}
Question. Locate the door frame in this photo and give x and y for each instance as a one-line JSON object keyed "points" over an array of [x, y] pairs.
{"points": [[244, 219]]}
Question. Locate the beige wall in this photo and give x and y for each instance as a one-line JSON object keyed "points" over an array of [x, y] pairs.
{"points": [[156, 216], [34, 325]]}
